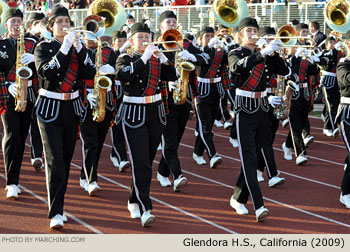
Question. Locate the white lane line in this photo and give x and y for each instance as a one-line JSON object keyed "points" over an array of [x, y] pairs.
{"points": [[266, 198], [167, 205], [95, 230]]}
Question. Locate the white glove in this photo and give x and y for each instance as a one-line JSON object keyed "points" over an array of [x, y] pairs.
{"points": [[306, 53], [213, 41], [149, 52], [125, 46], [186, 55], [77, 43], [314, 59], [67, 42], [163, 59], [274, 100], [172, 85], [275, 45], [106, 69], [27, 58], [299, 51], [261, 43], [92, 99], [337, 45], [13, 89]]}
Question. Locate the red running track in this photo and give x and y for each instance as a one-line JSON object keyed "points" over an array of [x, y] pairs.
{"points": [[307, 203]]}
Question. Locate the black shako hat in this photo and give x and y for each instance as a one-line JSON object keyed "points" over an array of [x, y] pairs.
{"points": [[36, 16], [12, 12], [301, 26], [206, 29], [139, 27], [58, 10], [167, 14], [267, 30], [248, 22], [119, 34]]}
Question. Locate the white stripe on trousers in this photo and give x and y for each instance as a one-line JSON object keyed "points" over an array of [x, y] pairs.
{"points": [[132, 168], [83, 152], [200, 127], [241, 155], [267, 166], [328, 107], [113, 146]]}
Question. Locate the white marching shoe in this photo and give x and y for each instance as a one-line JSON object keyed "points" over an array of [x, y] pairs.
{"points": [[323, 118], [308, 140], [287, 152], [274, 181], [123, 165], [227, 125], [301, 159], [218, 124], [38, 164], [261, 214], [234, 142], [64, 218], [12, 192], [159, 147], [195, 133], [328, 132], [345, 199], [114, 161], [93, 188], [259, 176], [84, 184], [285, 123], [180, 183], [56, 222], [134, 210], [147, 219], [239, 207], [199, 159], [164, 181], [215, 161]]}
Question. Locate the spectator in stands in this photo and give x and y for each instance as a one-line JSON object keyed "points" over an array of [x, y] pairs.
{"points": [[79, 4]]}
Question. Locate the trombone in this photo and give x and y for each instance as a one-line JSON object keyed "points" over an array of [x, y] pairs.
{"points": [[164, 42], [172, 41]]}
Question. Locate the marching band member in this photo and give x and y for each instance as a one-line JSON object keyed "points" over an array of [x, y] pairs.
{"points": [[223, 111], [266, 157], [118, 155], [330, 86], [343, 70], [178, 113], [300, 103], [92, 133], [16, 124], [213, 81], [60, 64], [251, 107], [36, 149], [143, 114]]}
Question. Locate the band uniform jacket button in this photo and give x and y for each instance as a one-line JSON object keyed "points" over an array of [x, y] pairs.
{"points": [[50, 50], [58, 74], [4, 46], [140, 81], [266, 70]]}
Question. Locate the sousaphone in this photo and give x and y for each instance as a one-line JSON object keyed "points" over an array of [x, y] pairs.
{"points": [[3, 9], [113, 13], [230, 12]]}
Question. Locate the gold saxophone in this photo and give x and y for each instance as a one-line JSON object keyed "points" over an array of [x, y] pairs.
{"points": [[101, 85], [284, 89], [184, 68], [23, 73]]}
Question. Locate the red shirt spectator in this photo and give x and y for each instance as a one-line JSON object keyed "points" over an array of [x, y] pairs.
{"points": [[12, 4]]}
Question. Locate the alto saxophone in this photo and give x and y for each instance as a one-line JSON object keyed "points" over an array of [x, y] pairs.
{"points": [[285, 92], [184, 68], [23, 73], [101, 85]]}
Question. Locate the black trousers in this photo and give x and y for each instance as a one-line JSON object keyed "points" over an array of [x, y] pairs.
{"points": [[266, 157], [250, 133], [332, 100], [118, 140], [93, 135], [297, 119], [142, 143], [206, 109], [59, 138], [344, 130], [16, 127], [306, 129], [223, 111], [173, 132], [231, 95], [36, 150]]}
